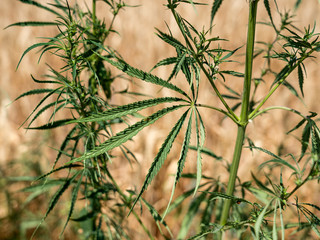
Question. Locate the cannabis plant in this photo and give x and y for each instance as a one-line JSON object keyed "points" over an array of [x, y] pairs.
{"points": [[80, 88], [225, 210]]}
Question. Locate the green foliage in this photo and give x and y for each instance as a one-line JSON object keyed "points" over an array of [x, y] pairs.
{"points": [[215, 7], [77, 87], [83, 86]]}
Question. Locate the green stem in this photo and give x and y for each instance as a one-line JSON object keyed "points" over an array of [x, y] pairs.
{"points": [[244, 110], [231, 112], [249, 62], [233, 173], [94, 18]]}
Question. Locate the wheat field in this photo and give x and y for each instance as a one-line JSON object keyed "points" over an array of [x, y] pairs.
{"points": [[24, 153]]}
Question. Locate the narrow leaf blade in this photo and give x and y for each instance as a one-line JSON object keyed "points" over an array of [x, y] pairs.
{"points": [[181, 161], [147, 77], [216, 5], [33, 24], [125, 135], [257, 225], [126, 109], [161, 156], [301, 79]]}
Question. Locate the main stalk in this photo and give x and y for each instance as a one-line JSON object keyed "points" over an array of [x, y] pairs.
{"points": [[244, 109]]}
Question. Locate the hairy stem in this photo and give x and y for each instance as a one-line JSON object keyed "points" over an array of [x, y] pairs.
{"points": [[249, 60], [233, 173], [244, 110]]}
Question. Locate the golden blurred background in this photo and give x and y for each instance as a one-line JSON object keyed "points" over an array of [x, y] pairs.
{"points": [[24, 153]]}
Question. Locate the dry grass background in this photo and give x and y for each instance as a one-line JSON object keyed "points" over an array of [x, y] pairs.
{"points": [[137, 43]]}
